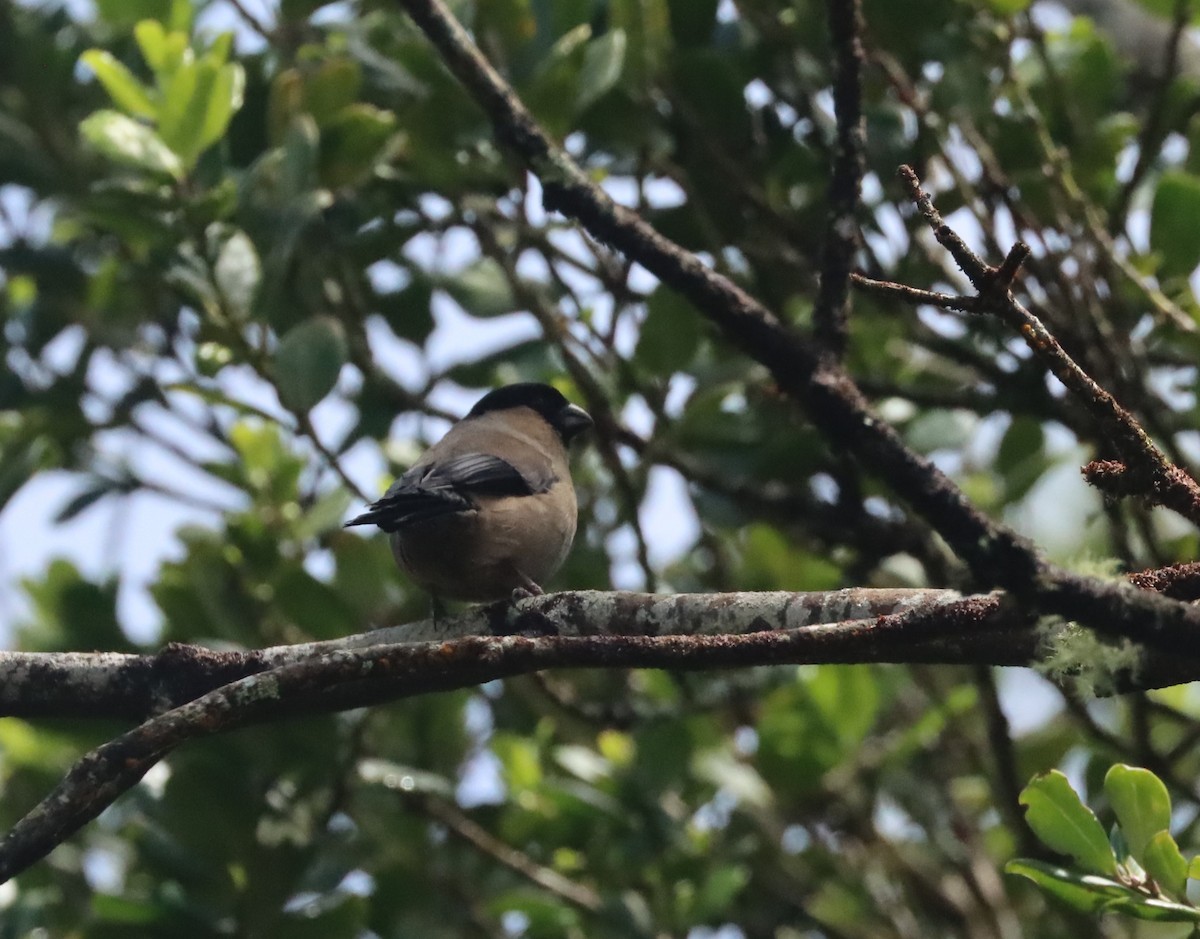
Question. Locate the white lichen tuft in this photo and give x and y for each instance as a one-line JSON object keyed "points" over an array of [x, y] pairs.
{"points": [[1079, 657]]}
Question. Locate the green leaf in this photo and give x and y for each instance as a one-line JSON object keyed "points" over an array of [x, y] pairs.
{"points": [[648, 27], [670, 335], [122, 86], [553, 93], [313, 607], [22, 459], [124, 140], [300, 150], [692, 21], [809, 727], [177, 116], [162, 50], [1058, 817], [602, 65], [1174, 234], [333, 87], [409, 310], [1091, 894], [224, 100], [1141, 803], [366, 573], [481, 289], [72, 612], [352, 145], [1164, 862], [285, 100], [124, 13], [264, 465], [850, 698], [237, 272], [519, 759], [939, 429], [718, 891], [1084, 892], [308, 362], [198, 101], [220, 48], [1194, 868], [324, 515], [1157, 911], [112, 910], [1021, 459]]}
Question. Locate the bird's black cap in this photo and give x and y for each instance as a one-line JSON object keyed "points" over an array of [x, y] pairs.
{"points": [[566, 418]]}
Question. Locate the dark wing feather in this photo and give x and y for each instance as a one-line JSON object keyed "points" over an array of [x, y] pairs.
{"points": [[447, 487], [486, 475]]}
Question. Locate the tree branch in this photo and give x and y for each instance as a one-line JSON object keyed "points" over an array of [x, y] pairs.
{"points": [[116, 685], [349, 678], [565, 630]]}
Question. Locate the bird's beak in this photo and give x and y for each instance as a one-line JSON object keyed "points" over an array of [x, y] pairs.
{"points": [[573, 421]]}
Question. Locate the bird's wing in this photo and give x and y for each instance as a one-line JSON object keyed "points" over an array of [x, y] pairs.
{"points": [[448, 486]]}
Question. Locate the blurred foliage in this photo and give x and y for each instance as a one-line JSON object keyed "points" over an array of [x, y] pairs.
{"points": [[249, 259]]}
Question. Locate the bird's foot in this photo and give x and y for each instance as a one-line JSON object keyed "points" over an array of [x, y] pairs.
{"points": [[530, 623], [526, 589], [524, 593]]}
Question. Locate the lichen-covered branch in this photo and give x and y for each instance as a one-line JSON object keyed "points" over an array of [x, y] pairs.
{"points": [[116, 685], [345, 678]]}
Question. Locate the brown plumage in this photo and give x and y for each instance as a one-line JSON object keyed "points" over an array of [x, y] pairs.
{"points": [[490, 508]]}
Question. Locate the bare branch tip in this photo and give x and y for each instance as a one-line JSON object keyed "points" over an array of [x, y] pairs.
{"points": [[1006, 273]]}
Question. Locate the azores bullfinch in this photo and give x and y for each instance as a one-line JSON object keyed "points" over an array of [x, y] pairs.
{"points": [[490, 509]]}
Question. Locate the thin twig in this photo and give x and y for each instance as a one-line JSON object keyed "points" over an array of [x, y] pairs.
{"points": [[305, 426], [915, 295], [254, 22], [1005, 776], [845, 184], [1150, 138], [462, 826]]}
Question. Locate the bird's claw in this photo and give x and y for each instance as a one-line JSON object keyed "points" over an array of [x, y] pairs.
{"points": [[526, 591]]}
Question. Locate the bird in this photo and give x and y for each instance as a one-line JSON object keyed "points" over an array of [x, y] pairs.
{"points": [[489, 512]]}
